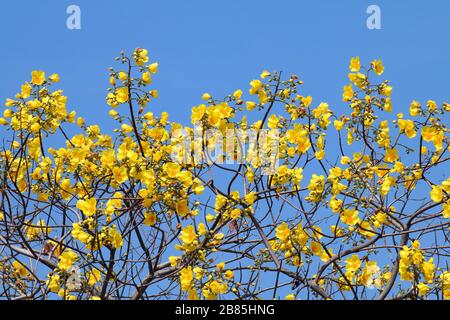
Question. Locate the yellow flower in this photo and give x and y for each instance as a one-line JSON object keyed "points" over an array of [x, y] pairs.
{"points": [[335, 205], [213, 288], [37, 77], [355, 64], [380, 218], [431, 104], [153, 68], [256, 85], [79, 234], [123, 76], [283, 232], [429, 133], [436, 193], [365, 229], [25, 90], [369, 273], [428, 270], [445, 209], [94, 276], [198, 113], [20, 269], [201, 229], [446, 185], [88, 207], [316, 248], [307, 101], [149, 218], [235, 213], [423, 289], [34, 231], [445, 280], [250, 105], [250, 198], [146, 77], [386, 90], [407, 126], [320, 154], [126, 128], [353, 263], [338, 125], [398, 167], [316, 187], [188, 235], [206, 96], [229, 275], [186, 278], [378, 67], [67, 259], [54, 77], [265, 74], [114, 237], [199, 272], [433, 134], [120, 174], [110, 100], [122, 94], [414, 109], [391, 155], [54, 283], [140, 56], [172, 169], [388, 181], [348, 93], [388, 105], [350, 217], [173, 260], [290, 296], [182, 208], [273, 122], [220, 266], [298, 176], [237, 94]]}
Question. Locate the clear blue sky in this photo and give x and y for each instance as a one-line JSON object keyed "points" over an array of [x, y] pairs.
{"points": [[219, 46]]}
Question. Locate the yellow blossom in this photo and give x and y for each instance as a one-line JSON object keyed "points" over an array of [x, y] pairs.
{"points": [[37, 77], [283, 232], [436, 193], [378, 67], [88, 206], [355, 64], [67, 259]]}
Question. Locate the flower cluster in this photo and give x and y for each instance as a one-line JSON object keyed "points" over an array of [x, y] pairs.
{"points": [[356, 207]]}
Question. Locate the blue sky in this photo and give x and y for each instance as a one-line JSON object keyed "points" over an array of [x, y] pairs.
{"points": [[219, 46]]}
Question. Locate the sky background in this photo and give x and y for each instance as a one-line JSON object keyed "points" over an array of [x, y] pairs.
{"points": [[219, 46]]}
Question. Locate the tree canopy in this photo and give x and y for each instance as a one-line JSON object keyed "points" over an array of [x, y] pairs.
{"points": [[265, 194]]}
